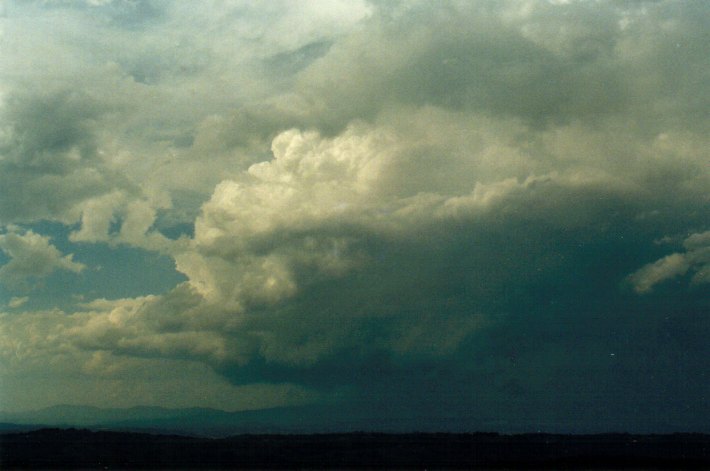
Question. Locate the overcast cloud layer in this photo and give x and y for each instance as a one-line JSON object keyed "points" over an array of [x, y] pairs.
{"points": [[495, 210]]}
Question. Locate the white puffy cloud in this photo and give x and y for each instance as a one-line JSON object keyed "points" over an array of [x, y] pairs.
{"points": [[17, 301], [134, 218], [653, 273], [696, 258], [96, 217], [32, 256]]}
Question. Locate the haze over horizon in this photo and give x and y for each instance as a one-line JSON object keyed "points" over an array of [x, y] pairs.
{"points": [[397, 209]]}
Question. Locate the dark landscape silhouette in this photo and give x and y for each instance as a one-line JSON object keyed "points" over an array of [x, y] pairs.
{"points": [[86, 449]]}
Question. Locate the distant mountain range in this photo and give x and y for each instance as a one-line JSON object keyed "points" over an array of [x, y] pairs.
{"points": [[192, 421], [306, 419], [218, 423]]}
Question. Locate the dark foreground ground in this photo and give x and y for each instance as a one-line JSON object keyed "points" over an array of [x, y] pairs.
{"points": [[84, 449]]}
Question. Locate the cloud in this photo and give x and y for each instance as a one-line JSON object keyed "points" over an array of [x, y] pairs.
{"points": [[293, 266], [696, 258], [32, 256], [668, 267], [87, 116], [53, 168], [104, 379], [16, 302], [48, 148]]}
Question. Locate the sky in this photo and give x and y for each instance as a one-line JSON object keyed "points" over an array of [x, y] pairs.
{"points": [[490, 211]]}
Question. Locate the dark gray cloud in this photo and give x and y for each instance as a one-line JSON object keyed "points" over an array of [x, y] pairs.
{"points": [[49, 155]]}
